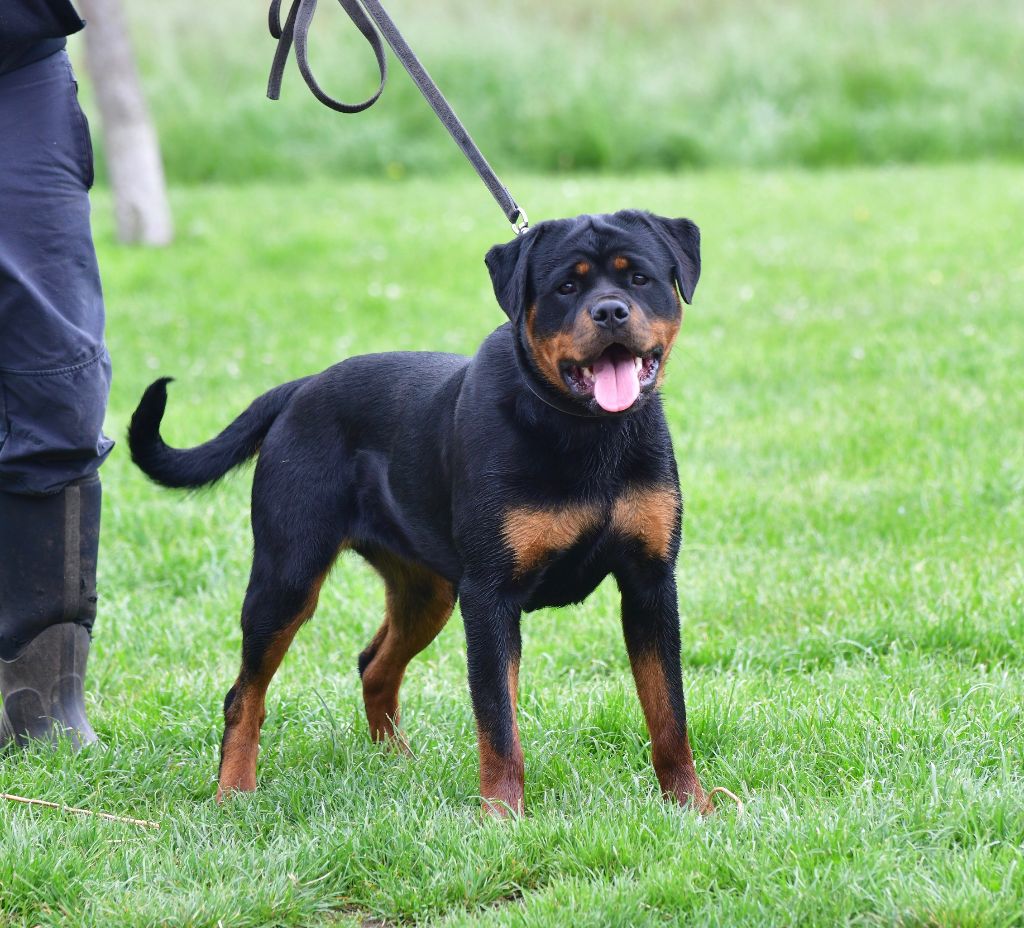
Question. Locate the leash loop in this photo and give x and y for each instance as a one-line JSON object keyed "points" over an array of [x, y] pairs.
{"points": [[296, 30], [372, 20]]}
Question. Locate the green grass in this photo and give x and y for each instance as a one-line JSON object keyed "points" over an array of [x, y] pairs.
{"points": [[594, 85], [845, 401]]}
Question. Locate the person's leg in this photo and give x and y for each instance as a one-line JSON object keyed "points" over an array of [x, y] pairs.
{"points": [[54, 382], [48, 548]]}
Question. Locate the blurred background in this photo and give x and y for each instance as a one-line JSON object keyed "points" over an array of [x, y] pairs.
{"points": [[592, 86]]}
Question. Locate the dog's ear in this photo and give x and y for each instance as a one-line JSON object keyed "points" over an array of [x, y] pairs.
{"points": [[508, 265], [682, 237]]}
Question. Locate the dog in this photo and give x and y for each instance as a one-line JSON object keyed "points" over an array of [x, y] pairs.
{"points": [[510, 481]]}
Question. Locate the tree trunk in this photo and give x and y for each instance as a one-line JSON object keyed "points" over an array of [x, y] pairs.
{"points": [[129, 139]]}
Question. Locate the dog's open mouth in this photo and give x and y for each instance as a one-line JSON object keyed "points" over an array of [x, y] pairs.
{"points": [[615, 378]]}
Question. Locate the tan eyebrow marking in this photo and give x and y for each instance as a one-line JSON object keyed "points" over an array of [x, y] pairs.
{"points": [[583, 267], [620, 263]]}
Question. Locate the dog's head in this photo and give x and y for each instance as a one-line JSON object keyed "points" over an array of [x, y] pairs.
{"points": [[594, 302]]}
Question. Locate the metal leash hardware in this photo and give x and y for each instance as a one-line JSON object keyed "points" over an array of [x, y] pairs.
{"points": [[369, 17]]}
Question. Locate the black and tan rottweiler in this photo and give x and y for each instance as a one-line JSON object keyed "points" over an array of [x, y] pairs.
{"points": [[509, 481]]}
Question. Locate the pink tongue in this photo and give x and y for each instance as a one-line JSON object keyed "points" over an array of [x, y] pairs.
{"points": [[616, 382]]}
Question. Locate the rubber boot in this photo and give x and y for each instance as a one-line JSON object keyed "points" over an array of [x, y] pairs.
{"points": [[48, 548]]}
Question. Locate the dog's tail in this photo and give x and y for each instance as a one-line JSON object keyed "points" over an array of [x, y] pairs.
{"points": [[196, 467]]}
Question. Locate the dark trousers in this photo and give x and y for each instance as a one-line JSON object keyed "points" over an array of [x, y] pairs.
{"points": [[54, 367]]}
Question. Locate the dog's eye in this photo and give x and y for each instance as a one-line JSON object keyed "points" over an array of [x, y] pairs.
{"points": [[568, 287], [640, 279]]}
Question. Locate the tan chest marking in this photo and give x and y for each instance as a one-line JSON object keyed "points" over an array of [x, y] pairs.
{"points": [[648, 514], [533, 534]]}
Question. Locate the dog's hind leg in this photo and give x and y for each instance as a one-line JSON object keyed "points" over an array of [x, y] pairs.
{"points": [[269, 623], [297, 539], [418, 604]]}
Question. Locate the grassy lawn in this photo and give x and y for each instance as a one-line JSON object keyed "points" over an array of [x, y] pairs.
{"points": [[846, 403], [594, 85]]}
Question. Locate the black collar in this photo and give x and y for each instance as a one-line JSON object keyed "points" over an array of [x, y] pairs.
{"points": [[539, 386]]}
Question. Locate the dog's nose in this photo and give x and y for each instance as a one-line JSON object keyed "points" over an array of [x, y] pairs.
{"points": [[610, 313]]}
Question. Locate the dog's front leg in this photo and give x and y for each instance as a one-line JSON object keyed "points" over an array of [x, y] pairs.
{"points": [[650, 622], [493, 649]]}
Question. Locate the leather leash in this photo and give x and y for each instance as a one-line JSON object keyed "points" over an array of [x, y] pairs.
{"points": [[369, 17]]}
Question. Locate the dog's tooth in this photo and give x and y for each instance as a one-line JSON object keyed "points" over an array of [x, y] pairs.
{"points": [[638, 363], [588, 372]]}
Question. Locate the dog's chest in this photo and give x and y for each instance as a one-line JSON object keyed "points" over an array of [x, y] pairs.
{"points": [[538, 536]]}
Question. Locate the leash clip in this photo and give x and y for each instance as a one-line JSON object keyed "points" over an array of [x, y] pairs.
{"points": [[522, 222]]}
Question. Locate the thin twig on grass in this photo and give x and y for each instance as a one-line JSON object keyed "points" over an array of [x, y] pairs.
{"points": [[107, 815], [730, 794]]}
